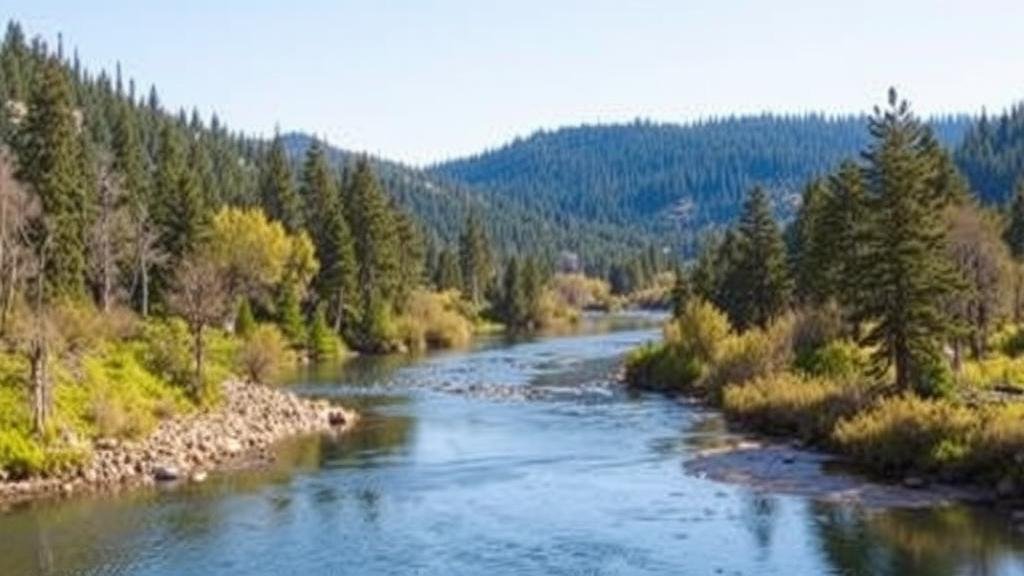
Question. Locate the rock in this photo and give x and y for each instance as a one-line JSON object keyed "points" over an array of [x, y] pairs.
{"points": [[788, 459], [914, 482], [198, 476], [162, 473], [232, 446], [336, 418], [67, 488], [106, 444], [1006, 487]]}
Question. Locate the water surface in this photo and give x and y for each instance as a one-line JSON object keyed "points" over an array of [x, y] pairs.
{"points": [[512, 458]]}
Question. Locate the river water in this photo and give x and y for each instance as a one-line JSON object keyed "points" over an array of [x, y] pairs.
{"points": [[511, 458]]}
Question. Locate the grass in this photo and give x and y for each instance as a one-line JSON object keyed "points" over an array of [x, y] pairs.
{"points": [[113, 376]]}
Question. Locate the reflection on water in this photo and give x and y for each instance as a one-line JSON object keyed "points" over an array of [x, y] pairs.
{"points": [[510, 458]]}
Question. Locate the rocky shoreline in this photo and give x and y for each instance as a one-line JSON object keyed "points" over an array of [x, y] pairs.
{"points": [[241, 430]]}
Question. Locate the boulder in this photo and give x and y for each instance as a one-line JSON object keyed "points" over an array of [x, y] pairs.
{"points": [[336, 418], [166, 473]]}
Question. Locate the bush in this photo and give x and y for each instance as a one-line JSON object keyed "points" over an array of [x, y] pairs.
{"points": [[662, 367], [20, 456], [263, 354], [245, 322], [552, 313], [991, 372], [997, 448], [814, 328], [433, 320], [700, 331], [323, 343], [841, 359], [753, 354], [791, 404], [908, 433], [579, 291]]}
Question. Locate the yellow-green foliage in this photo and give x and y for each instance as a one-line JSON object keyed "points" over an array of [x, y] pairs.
{"points": [[908, 433], [662, 367], [837, 359], [111, 376], [581, 292], [553, 314], [434, 320], [791, 404], [700, 331], [264, 354], [997, 447], [991, 371], [657, 295], [753, 354]]}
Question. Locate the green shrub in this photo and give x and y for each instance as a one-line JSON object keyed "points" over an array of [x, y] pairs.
{"points": [[20, 456], [245, 322], [790, 404], [662, 367], [840, 359], [907, 433], [323, 343], [264, 353]]}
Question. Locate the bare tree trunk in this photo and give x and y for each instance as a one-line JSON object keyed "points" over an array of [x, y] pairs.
{"points": [[198, 335], [38, 356], [144, 272]]}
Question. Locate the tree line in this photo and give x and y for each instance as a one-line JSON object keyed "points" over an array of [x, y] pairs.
{"points": [[916, 268]]}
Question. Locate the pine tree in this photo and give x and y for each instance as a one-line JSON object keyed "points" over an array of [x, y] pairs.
{"points": [[411, 254], [475, 259], [515, 304], [182, 215], [52, 161], [813, 259], [844, 221], [682, 292], [762, 285], [277, 192], [905, 272], [377, 253], [1014, 234], [289, 315], [448, 276], [245, 322]]}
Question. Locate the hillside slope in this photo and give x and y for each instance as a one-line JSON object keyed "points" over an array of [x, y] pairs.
{"points": [[667, 178]]}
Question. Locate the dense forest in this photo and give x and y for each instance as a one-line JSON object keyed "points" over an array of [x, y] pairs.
{"points": [[669, 178], [992, 154]]}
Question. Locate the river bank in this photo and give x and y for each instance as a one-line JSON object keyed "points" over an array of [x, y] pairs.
{"points": [[239, 432]]}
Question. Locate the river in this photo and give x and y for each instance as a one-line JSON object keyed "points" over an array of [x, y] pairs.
{"points": [[510, 458]]}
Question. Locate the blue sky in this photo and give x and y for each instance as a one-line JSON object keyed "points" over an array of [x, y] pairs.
{"points": [[424, 81]]}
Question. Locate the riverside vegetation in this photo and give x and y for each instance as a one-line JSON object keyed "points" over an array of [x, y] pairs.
{"points": [[146, 258], [884, 323]]}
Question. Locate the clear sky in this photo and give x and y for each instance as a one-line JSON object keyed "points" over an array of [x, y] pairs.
{"points": [[423, 81]]}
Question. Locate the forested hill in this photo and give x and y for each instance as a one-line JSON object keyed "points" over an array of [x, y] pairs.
{"points": [[992, 154], [668, 177], [442, 205]]}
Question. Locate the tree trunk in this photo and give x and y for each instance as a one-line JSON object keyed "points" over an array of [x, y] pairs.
{"points": [[144, 273], [198, 385]]}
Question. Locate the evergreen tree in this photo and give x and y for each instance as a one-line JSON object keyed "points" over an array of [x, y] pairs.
{"points": [[448, 276], [181, 215], [844, 222], [51, 160], [682, 292], [762, 286], [277, 192], [289, 315], [813, 260], [411, 254], [515, 303], [1014, 233], [475, 259], [245, 322], [905, 272], [377, 252]]}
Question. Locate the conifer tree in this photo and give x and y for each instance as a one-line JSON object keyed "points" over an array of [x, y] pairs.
{"points": [[182, 214], [377, 252], [844, 221], [475, 259], [760, 281], [813, 260], [51, 160], [905, 272], [448, 276], [1014, 234], [277, 192]]}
